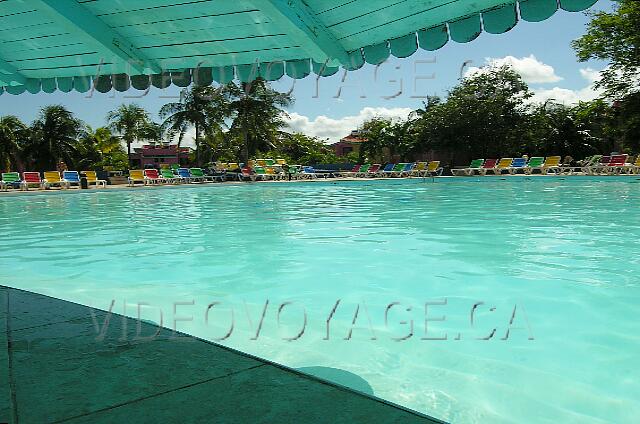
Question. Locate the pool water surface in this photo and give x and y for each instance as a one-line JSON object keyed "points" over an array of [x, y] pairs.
{"points": [[471, 300]]}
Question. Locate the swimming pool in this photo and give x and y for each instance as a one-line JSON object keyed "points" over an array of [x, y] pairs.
{"points": [[281, 270]]}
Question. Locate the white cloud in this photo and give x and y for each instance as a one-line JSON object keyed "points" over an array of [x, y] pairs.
{"points": [[567, 96], [590, 75], [334, 129], [530, 69]]}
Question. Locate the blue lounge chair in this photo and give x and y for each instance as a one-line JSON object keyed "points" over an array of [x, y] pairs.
{"points": [[71, 177], [388, 169], [184, 175], [517, 164], [308, 173]]}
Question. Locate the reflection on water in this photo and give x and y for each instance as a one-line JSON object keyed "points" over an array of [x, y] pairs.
{"points": [[364, 271]]}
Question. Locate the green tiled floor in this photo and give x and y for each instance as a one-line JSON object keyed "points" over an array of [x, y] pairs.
{"points": [[64, 369]]}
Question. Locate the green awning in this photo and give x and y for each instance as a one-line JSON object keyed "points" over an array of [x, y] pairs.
{"points": [[49, 45]]}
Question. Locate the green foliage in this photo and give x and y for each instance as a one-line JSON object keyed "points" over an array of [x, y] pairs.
{"points": [[13, 134], [257, 115], [53, 138], [131, 122], [298, 148], [614, 37], [202, 108]]}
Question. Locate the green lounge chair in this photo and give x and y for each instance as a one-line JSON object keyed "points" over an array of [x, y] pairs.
{"points": [[10, 179], [168, 176], [364, 171], [535, 163], [198, 173], [474, 166]]}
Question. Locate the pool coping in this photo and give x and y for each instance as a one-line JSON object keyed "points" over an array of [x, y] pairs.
{"points": [[67, 313]]}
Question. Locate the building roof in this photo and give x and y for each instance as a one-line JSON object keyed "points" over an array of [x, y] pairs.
{"points": [[49, 45]]}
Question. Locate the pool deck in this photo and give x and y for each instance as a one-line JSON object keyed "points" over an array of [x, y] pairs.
{"points": [[521, 177], [64, 362]]}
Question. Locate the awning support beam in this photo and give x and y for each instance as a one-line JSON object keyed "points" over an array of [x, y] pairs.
{"points": [[318, 40], [77, 18]]}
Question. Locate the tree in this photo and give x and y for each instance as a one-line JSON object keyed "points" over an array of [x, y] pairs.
{"points": [[13, 133], [104, 150], [483, 116], [203, 108], [54, 138], [614, 36], [131, 122], [257, 115], [300, 148]]}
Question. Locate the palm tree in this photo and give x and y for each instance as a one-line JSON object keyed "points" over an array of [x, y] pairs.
{"points": [[13, 133], [130, 121], [257, 116], [202, 108], [54, 137]]}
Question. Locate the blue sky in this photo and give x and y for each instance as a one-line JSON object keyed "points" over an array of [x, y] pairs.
{"points": [[540, 51]]}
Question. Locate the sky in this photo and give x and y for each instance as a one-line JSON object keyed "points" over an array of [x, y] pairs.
{"points": [[331, 107]]}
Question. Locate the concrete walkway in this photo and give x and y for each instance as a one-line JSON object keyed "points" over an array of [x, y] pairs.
{"points": [[63, 362]]}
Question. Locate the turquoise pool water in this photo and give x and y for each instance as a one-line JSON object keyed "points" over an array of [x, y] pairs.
{"points": [[564, 254]]}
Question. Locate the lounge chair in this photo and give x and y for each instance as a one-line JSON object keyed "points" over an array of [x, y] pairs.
{"points": [[616, 165], [364, 170], [273, 172], [592, 167], [185, 176], [356, 168], [552, 163], [388, 169], [434, 169], [474, 166], [536, 163], [374, 171], [503, 165], [488, 166], [517, 164], [92, 178], [52, 179], [247, 173], [261, 174], [71, 177], [152, 176], [136, 176], [419, 169], [281, 162], [632, 168], [168, 176], [199, 173], [10, 179], [308, 173], [30, 179]]}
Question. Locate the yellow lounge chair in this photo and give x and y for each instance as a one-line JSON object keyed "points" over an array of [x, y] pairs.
{"points": [[434, 168], [503, 165], [553, 164], [633, 168], [419, 170], [136, 176], [52, 178], [92, 178]]}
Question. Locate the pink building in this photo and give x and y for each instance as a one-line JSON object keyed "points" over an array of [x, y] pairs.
{"points": [[159, 154], [349, 144]]}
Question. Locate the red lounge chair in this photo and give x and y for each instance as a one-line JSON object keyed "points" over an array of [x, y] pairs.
{"points": [[616, 164], [488, 165], [31, 178], [374, 171], [152, 176], [351, 173]]}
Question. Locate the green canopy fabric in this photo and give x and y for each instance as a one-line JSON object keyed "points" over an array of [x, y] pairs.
{"points": [[82, 45]]}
